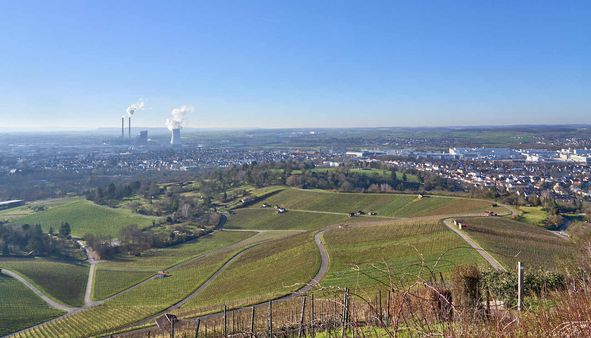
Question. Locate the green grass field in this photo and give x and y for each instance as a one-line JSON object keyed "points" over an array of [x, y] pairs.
{"points": [[86, 217], [396, 205], [364, 258], [268, 219], [533, 215], [29, 208], [116, 275], [20, 307], [510, 241], [65, 282], [267, 271]]}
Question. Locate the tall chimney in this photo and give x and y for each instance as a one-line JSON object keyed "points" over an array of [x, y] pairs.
{"points": [[122, 127], [129, 127]]}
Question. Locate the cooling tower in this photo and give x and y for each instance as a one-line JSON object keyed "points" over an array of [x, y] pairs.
{"points": [[176, 136]]}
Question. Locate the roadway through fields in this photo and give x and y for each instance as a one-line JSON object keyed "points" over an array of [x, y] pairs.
{"points": [[325, 259], [38, 292], [488, 257], [91, 272]]}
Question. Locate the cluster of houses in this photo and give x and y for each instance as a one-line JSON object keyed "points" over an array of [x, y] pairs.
{"points": [[561, 181]]}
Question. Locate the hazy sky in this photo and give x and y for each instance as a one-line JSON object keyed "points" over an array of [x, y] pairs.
{"points": [[78, 64]]}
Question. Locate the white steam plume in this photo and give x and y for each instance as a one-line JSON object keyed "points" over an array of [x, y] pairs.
{"points": [[135, 107], [177, 117]]}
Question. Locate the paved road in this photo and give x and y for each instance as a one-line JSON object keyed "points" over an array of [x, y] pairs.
{"points": [[490, 259], [41, 295], [90, 282], [325, 259]]}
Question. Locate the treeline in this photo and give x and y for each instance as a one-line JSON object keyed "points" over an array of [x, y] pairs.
{"points": [[307, 176], [134, 240], [30, 240]]}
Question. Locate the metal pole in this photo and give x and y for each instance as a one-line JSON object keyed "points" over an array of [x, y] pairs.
{"points": [[270, 319], [520, 278]]}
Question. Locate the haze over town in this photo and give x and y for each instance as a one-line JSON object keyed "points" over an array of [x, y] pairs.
{"points": [[266, 64]]}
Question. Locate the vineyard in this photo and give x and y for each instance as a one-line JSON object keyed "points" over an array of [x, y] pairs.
{"points": [[20, 307], [394, 205], [369, 257], [63, 281], [510, 241], [116, 275], [262, 255]]}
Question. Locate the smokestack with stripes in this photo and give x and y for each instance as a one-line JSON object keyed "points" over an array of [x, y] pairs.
{"points": [[131, 110]]}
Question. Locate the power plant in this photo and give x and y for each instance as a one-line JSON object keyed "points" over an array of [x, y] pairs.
{"points": [[175, 139]]}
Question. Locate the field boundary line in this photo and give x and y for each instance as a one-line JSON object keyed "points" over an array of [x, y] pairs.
{"points": [[487, 256]]}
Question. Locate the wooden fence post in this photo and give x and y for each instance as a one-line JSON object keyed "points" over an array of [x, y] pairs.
{"points": [[302, 317], [197, 324], [252, 333], [225, 321], [172, 328], [312, 317]]}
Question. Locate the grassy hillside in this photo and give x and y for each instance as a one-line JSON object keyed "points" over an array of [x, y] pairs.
{"points": [[86, 217], [270, 270], [20, 307], [367, 257], [384, 204], [533, 215], [268, 219], [65, 282], [116, 275], [510, 241]]}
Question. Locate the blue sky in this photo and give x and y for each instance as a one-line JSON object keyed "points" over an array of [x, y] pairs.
{"points": [[78, 64]]}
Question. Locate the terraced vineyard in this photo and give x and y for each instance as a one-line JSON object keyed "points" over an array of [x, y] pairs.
{"points": [[367, 257], [86, 217], [270, 270], [511, 241], [396, 205], [63, 281], [20, 307], [266, 255], [116, 275], [137, 304]]}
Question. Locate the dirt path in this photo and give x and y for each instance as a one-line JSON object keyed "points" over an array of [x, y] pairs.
{"points": [[488, 257], [41, 295], [324, 264]]}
